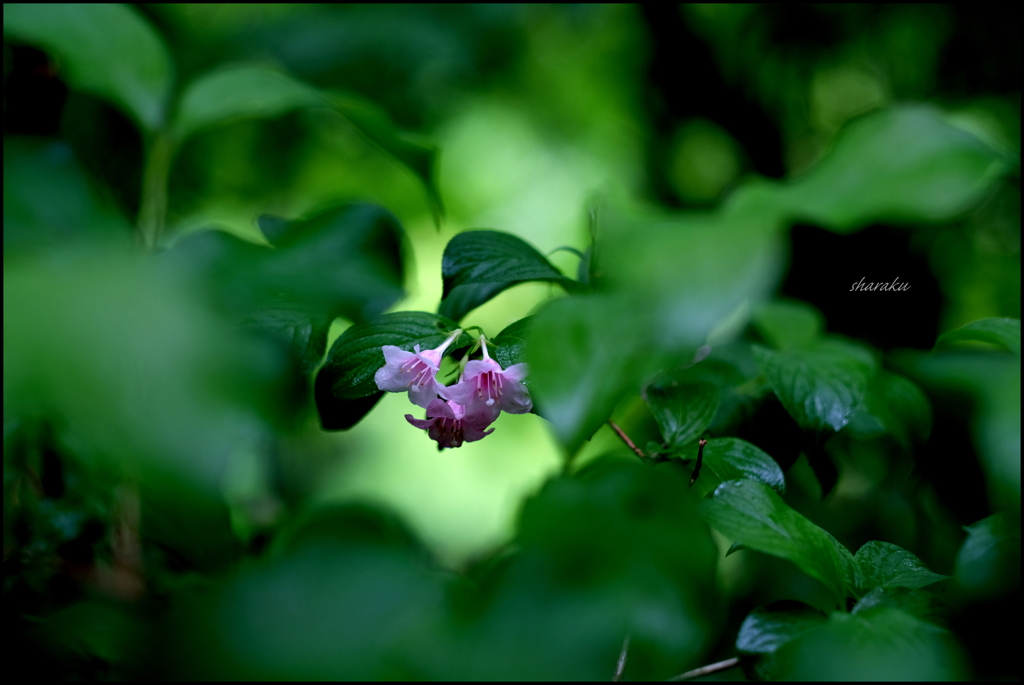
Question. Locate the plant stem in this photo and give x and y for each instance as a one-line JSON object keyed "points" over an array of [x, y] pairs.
{"points": [[707, 670], [625, 438], [153, 205]]}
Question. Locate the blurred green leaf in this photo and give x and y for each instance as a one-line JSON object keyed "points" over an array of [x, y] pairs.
{"points": [[918, 603], [883, 564], [882, 644], [988, 564], [245, 91], [610, 550], [691, 270], [753, 514], [1002, 332], [768, 627], [239, 92], [106, 49], [341, 261], [821, 387], [509, 347], [333, 608], [903, 164], [143, 380], [585, 354], [345, 390], [734, 459], [48, 200], [789, 324], [893, 406], [485, 263], [683, 412]]}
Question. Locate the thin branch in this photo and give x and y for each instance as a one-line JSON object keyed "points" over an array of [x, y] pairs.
{"points": [[700, 461], [625, 438], [707, 670], [620, 665]]}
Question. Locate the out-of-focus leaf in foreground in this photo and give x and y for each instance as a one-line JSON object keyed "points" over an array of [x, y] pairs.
{"points": [[106, 49], [902, 164], [1003, 332], [988, 564], [246, 91], [138, 377], [585, 354], [880, 644], [49, 202]]}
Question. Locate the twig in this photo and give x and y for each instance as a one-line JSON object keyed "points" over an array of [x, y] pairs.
{"points": [[620, 665], [625, 438], [700, 461], [707, 670]]}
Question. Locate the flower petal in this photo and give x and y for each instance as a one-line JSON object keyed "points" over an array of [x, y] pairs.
{"points": [[420, 423], [423, 395]]}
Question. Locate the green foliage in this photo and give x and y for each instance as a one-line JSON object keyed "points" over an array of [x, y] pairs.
{"points": [[988, 564], [682, 411], [1002, 332], [91, 41], [173, 509], [821, 387], [727, 459], [37, 171], [789, 325], [752, 514], [509, 347], [903, 164], [885, 565], [584, 357], [345, 389], [477, 265]]}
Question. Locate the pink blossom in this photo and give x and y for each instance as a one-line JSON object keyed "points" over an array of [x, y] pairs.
{"points": [[451, 425], [413, 371], [485, 383]]}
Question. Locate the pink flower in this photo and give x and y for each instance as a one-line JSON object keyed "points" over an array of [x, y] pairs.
{"points": [[413, 371], [451, 425], [485, 383]]}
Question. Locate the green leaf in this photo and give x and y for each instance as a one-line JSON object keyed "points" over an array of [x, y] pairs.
{"points": [[106, 49], [902, 164], [883, 564], [769, 627], [585, 354], [893, 406], [683, 411], [918, 603], [753, 514], [691, 270], [821, 387], [999, 331], [486, 263], [988, 564], [789, 324], [882, 644], [240, 92], [509, 347], [734, 459], [305, 335], [246, 91], [341, 261], [36, 171], [345, 390]]}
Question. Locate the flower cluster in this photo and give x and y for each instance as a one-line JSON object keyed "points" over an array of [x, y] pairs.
{"points": [[458, 413]]}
